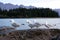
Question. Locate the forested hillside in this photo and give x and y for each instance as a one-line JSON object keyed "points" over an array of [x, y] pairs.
{"points": [[28, 13]]}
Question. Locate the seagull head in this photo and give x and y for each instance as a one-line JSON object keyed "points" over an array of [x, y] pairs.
{"points": [[29, 22], [12, 21]]}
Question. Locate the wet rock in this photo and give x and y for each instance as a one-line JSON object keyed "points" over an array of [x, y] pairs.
{"points": [[35, 34]]}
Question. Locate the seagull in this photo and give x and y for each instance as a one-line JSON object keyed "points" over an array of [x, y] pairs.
{"points": [[14, 24], [37, 23], [31, 24], [48, 25]]}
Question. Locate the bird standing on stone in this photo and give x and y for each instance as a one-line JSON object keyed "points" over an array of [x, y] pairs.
{"points": [[33, 24], [13, 23]]}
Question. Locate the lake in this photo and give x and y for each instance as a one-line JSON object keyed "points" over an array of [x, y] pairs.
{"points": [[6, 22]]}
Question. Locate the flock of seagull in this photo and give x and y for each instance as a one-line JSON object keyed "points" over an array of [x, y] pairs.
{"points": [[37, 24], [31, 24]]}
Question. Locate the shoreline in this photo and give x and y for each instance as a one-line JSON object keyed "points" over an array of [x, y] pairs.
{"points": [[36, 34]]}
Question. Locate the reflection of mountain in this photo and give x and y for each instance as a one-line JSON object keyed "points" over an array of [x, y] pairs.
{"points": [[11, 6]]}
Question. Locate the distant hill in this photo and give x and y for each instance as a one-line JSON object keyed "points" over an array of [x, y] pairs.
{"points": [[8, 6], [57, 10]]}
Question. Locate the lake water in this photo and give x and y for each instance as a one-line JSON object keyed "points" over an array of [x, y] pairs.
{"points": [[6, 22]]}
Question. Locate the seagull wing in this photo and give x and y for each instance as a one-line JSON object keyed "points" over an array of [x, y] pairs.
{"points": [[15, 25]]}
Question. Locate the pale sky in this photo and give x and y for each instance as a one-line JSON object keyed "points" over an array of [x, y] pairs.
{"points": [[54, 4]]}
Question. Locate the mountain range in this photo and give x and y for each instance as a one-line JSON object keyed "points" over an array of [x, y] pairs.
{"points": [[8, 6]]}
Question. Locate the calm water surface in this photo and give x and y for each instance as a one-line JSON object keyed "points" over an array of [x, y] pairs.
{"points": [[6, 22]]}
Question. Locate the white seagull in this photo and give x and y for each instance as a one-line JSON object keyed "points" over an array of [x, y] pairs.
{"points": [[48, 25], [14, 24], [37, 24], [31, 24]]}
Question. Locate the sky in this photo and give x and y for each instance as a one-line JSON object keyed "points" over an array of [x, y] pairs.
{"points": [[54, 4]]}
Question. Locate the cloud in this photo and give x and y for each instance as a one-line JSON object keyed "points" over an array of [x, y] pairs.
{"points": [[48, 4], [38, 3]]}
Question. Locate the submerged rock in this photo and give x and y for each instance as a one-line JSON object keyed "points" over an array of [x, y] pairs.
{"points": [[6, 29]]}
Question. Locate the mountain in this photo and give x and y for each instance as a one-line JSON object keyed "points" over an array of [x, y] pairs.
{"points": [[57, 10], [8, 6], [11, 6], [28, 7]]}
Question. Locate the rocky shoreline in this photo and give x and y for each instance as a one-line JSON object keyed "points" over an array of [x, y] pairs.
{"points": [[34, 34]]}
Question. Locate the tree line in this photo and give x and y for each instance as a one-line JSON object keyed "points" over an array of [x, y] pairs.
{"points": [[28, 13]]}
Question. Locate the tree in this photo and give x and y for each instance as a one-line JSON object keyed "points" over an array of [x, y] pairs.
{"points": [[30, 13]]}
